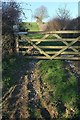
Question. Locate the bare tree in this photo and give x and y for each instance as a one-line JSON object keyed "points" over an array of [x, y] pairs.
{"points": [[54, 24], [41, 13], [63, 13], [61, 21], [63, 16]]}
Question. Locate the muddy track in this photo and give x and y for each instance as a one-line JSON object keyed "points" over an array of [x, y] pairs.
{"points": [[36, 102], [29, 99], [14, 105]]}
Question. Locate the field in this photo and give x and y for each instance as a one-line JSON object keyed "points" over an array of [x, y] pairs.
{"points": [[32, 26]]}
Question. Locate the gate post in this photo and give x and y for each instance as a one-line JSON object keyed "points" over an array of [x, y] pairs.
{"points": [[17, 44]]}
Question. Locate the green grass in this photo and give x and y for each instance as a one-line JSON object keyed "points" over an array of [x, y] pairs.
{"points": [[63, 83], [12, 66], [32, 26], [34, 36]]}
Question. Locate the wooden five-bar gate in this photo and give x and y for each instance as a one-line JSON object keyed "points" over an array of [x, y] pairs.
{"points": [[50, 45]]}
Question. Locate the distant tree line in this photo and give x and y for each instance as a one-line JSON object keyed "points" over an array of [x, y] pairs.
{"points": [[62, 21]]}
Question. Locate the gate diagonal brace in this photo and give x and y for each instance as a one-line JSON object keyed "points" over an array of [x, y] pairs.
{"points": [[40, 41], [42, 38], [40, 50], [64, 42], [66, 47]]}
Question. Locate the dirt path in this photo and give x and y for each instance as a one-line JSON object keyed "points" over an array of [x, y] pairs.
{"points": [[29, 98], [38, 107]]}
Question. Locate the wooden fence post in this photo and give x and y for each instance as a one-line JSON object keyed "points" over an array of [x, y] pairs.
{"points": [[17, 44]]}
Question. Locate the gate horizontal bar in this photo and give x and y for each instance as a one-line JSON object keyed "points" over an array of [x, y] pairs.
{"points": [[51, 47], [60, 32], [51, 52], [59, 58], [48, 40]]}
